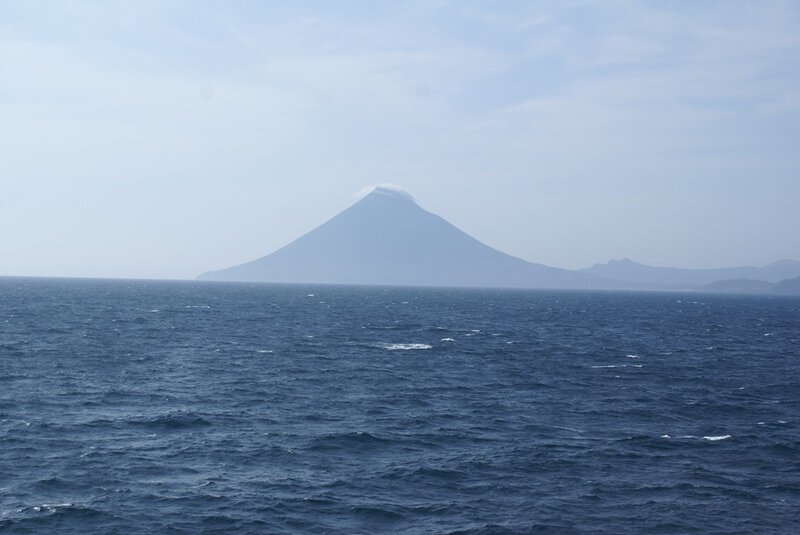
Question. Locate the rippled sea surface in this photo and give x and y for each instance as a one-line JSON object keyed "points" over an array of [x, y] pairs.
{"points": [[182, 407]]}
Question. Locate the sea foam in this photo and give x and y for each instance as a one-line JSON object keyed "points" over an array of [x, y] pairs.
{"points": [[396, 347]]}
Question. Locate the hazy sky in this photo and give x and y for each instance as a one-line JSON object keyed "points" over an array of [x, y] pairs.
{"points": [[169, 138]]}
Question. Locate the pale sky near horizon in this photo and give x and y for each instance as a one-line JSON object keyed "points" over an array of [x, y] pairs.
{"points": [[167, 138]]}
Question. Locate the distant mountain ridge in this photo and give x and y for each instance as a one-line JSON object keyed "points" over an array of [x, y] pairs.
{"points": [[387, 239], [670, 278], [751, 286]]}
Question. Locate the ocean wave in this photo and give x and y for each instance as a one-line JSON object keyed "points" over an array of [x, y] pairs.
{"points": [[47, 507], [376, 514], [66, 511], [359, 440], [405, 347], [173, 421]]}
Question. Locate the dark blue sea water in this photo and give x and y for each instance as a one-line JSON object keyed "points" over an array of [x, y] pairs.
{"points": [[179, 407]]}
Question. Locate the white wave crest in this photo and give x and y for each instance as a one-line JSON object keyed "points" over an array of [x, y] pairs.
{"points": [[715, 438], [405, 347]]}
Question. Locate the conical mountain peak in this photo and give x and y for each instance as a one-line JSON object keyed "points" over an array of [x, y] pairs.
{"points": [[387, 238]]}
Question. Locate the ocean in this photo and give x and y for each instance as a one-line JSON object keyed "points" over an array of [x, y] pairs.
{"points": [[189, 407]]}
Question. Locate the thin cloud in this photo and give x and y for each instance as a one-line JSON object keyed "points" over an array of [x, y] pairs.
{"points": [[385, 187]]}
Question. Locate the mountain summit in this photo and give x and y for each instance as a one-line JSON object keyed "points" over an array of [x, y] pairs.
{"points": [[386, 238]]}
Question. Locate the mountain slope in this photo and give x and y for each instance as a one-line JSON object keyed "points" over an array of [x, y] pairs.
{"points": [[386, 238]]}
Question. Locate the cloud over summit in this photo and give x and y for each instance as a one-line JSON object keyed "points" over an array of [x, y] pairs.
{"points": [[386, 189]]}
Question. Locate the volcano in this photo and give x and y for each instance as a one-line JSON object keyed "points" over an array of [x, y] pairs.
{"points": [[386, 238]]}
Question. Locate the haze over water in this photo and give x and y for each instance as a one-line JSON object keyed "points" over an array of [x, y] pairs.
{"points": [[144, 407]]}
